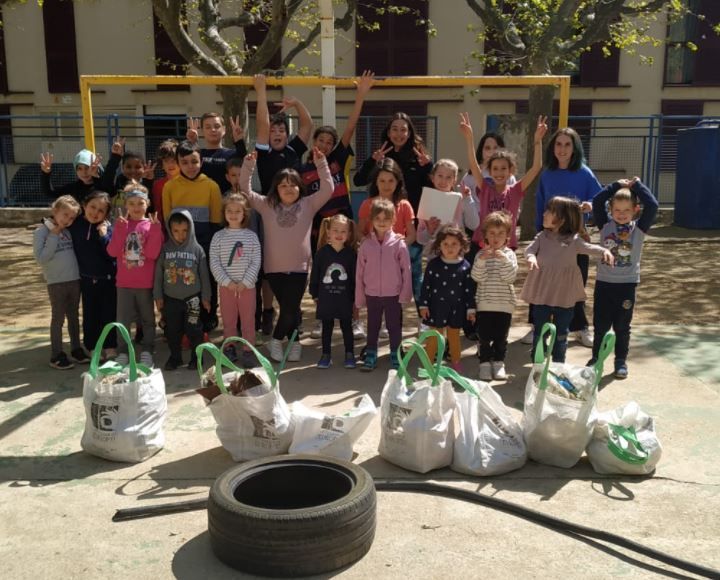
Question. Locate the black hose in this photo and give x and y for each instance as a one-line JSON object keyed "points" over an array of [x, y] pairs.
{"points": [[556, 524], [551, 522]]}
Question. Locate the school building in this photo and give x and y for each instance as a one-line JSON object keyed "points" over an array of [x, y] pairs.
{"points": [[622, 103]]}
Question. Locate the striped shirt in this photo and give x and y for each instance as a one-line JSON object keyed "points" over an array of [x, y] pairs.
{"points": [[235, 256], [495, 277]]}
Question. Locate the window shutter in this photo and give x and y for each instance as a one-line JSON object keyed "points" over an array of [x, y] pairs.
{"points": [[60, 48], [4, 89], [596, 70]]}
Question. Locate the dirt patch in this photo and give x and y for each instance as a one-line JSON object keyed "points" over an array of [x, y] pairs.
{"points": [[680, 281]]}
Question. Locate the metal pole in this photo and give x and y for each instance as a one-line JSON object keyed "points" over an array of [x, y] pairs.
{"points": [[327, 55]]}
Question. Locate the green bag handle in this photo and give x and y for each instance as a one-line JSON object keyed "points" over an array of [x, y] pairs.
{"points": [[220, 361], [415, 348], [637, 456], [607, 346], [453, 375], [266, 364], [540, 355], [113, 368], [440, 354]]}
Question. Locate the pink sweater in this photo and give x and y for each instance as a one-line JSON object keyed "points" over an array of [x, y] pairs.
{"points": [[383, 269], [286, 245], [136, 245]]}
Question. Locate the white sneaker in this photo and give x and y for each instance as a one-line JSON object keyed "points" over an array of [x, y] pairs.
{"points": [[122, 359], [295, 352], [498, 371], [146, 359], [528, 338], [358, 329], [276, 349], [585, 336], [316, 332], [485, 373], [384, 331]]}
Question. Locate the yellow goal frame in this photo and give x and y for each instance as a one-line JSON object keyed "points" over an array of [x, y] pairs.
{"points": [[87, 82]]}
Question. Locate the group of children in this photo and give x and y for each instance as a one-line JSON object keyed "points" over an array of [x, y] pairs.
{"points": [[178, 244]]}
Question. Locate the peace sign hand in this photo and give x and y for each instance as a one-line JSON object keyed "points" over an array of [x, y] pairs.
{"points": [[46, 160], [95, 166], [317, 155], [153, 217], [286, 103], [541, 129], [118, 146], [193, 128], [379, 154], [238, 131], [149, 170], [422, 157], [465, 126]]}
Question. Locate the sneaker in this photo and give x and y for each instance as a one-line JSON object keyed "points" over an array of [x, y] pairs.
{"points": [[80, 356], [485, 373], [528, 338], [621, 370], [276, 349], [349, 362], [146, 359], [384, 331], [122, 359], [325, 361], [172, 363], [266, 321], [259, 339], [585, 336], [316, 332], [231, 352], [370, 361], [249, 361], [358, 329], [498, 371], [394, 362], [295, 352], [61, 362], [457, 367], [110, 353]]}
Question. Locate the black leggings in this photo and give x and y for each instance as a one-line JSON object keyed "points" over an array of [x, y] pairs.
{"points": [[327, 329], [288, 289]]}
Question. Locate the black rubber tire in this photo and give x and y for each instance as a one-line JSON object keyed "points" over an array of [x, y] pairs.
{"points": [[292, 515]]}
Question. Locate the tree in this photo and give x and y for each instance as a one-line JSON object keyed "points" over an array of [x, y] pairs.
{"points": [[547, 37], [222, 49]]}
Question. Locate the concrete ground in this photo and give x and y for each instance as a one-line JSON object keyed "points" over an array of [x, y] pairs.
{"points": [[56, 502]]}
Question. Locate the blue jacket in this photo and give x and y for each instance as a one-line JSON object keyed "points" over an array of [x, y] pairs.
{"points": [[91, 250]]}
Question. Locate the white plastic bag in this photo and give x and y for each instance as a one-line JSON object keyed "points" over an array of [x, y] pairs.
{"points": [[489, 440], [416, 417], [257, 423], [334, 435], [125, 407], [624, 442], [559, 413]]}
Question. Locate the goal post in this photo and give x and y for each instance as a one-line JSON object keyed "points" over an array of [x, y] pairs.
{"points": [[88, 81]]}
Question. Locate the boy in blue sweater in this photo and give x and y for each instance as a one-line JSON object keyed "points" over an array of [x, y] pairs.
{"points": [[615, 286]]}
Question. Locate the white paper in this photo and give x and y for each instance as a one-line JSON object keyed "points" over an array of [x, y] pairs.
{"points": [[439, 204]]}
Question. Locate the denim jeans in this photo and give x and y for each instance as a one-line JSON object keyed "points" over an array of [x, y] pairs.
{"points": [[560, 317]]}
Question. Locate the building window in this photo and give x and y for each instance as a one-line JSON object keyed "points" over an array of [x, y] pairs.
{"points": [[4, 88], [596, 69], [683, 64], [60, 48], [399, 47]]}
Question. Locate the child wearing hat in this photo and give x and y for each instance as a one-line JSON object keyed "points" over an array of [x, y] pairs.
{"points": [[136, 242], [87, 168]]}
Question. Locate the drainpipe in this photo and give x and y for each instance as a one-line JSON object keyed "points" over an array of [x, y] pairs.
{"points": [[327, 55]]}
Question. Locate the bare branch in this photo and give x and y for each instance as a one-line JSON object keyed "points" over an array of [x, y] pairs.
{"points": [[210, 35], [241, 21]]}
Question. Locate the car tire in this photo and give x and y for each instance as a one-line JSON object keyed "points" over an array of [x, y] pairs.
{"points": [[292, 515]]}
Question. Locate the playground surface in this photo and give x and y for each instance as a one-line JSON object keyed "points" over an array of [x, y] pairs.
{"points": [[56, 502]]}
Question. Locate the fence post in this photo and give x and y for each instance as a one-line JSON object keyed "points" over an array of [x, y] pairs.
{"points": [[658, 149]]}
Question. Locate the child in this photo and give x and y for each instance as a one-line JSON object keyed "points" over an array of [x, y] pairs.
{"points": [[444, 177], [489, 143], [287, 218], [447, 297], [132, 166], [615, 287], [87, 168], [136, 242], [554, 283], [214, 156], [166, 157], [53, 249], [181, 287], [383, 281], [235, 260], [494, 270], [274, 150], [196, 192], [500, 195], [332, 285], [91, 233]]}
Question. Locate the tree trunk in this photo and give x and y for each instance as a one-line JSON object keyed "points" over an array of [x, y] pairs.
{"points": [[540, 103], [234, 104]]}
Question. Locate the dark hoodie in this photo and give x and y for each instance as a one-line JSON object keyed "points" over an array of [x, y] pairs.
{"points": [[181, 270], [91, 250]]}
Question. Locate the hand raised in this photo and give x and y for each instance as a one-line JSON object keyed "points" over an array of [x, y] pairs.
{"points": [[118, 146], [260, 83], [153, 217], [317, 155], [379, 154], [95, 166], [422, 156], [238, 131], [149, 170], [286, 104], [541, 129], [365, 82], [46, 161], [465, 126], [193, 128]]}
